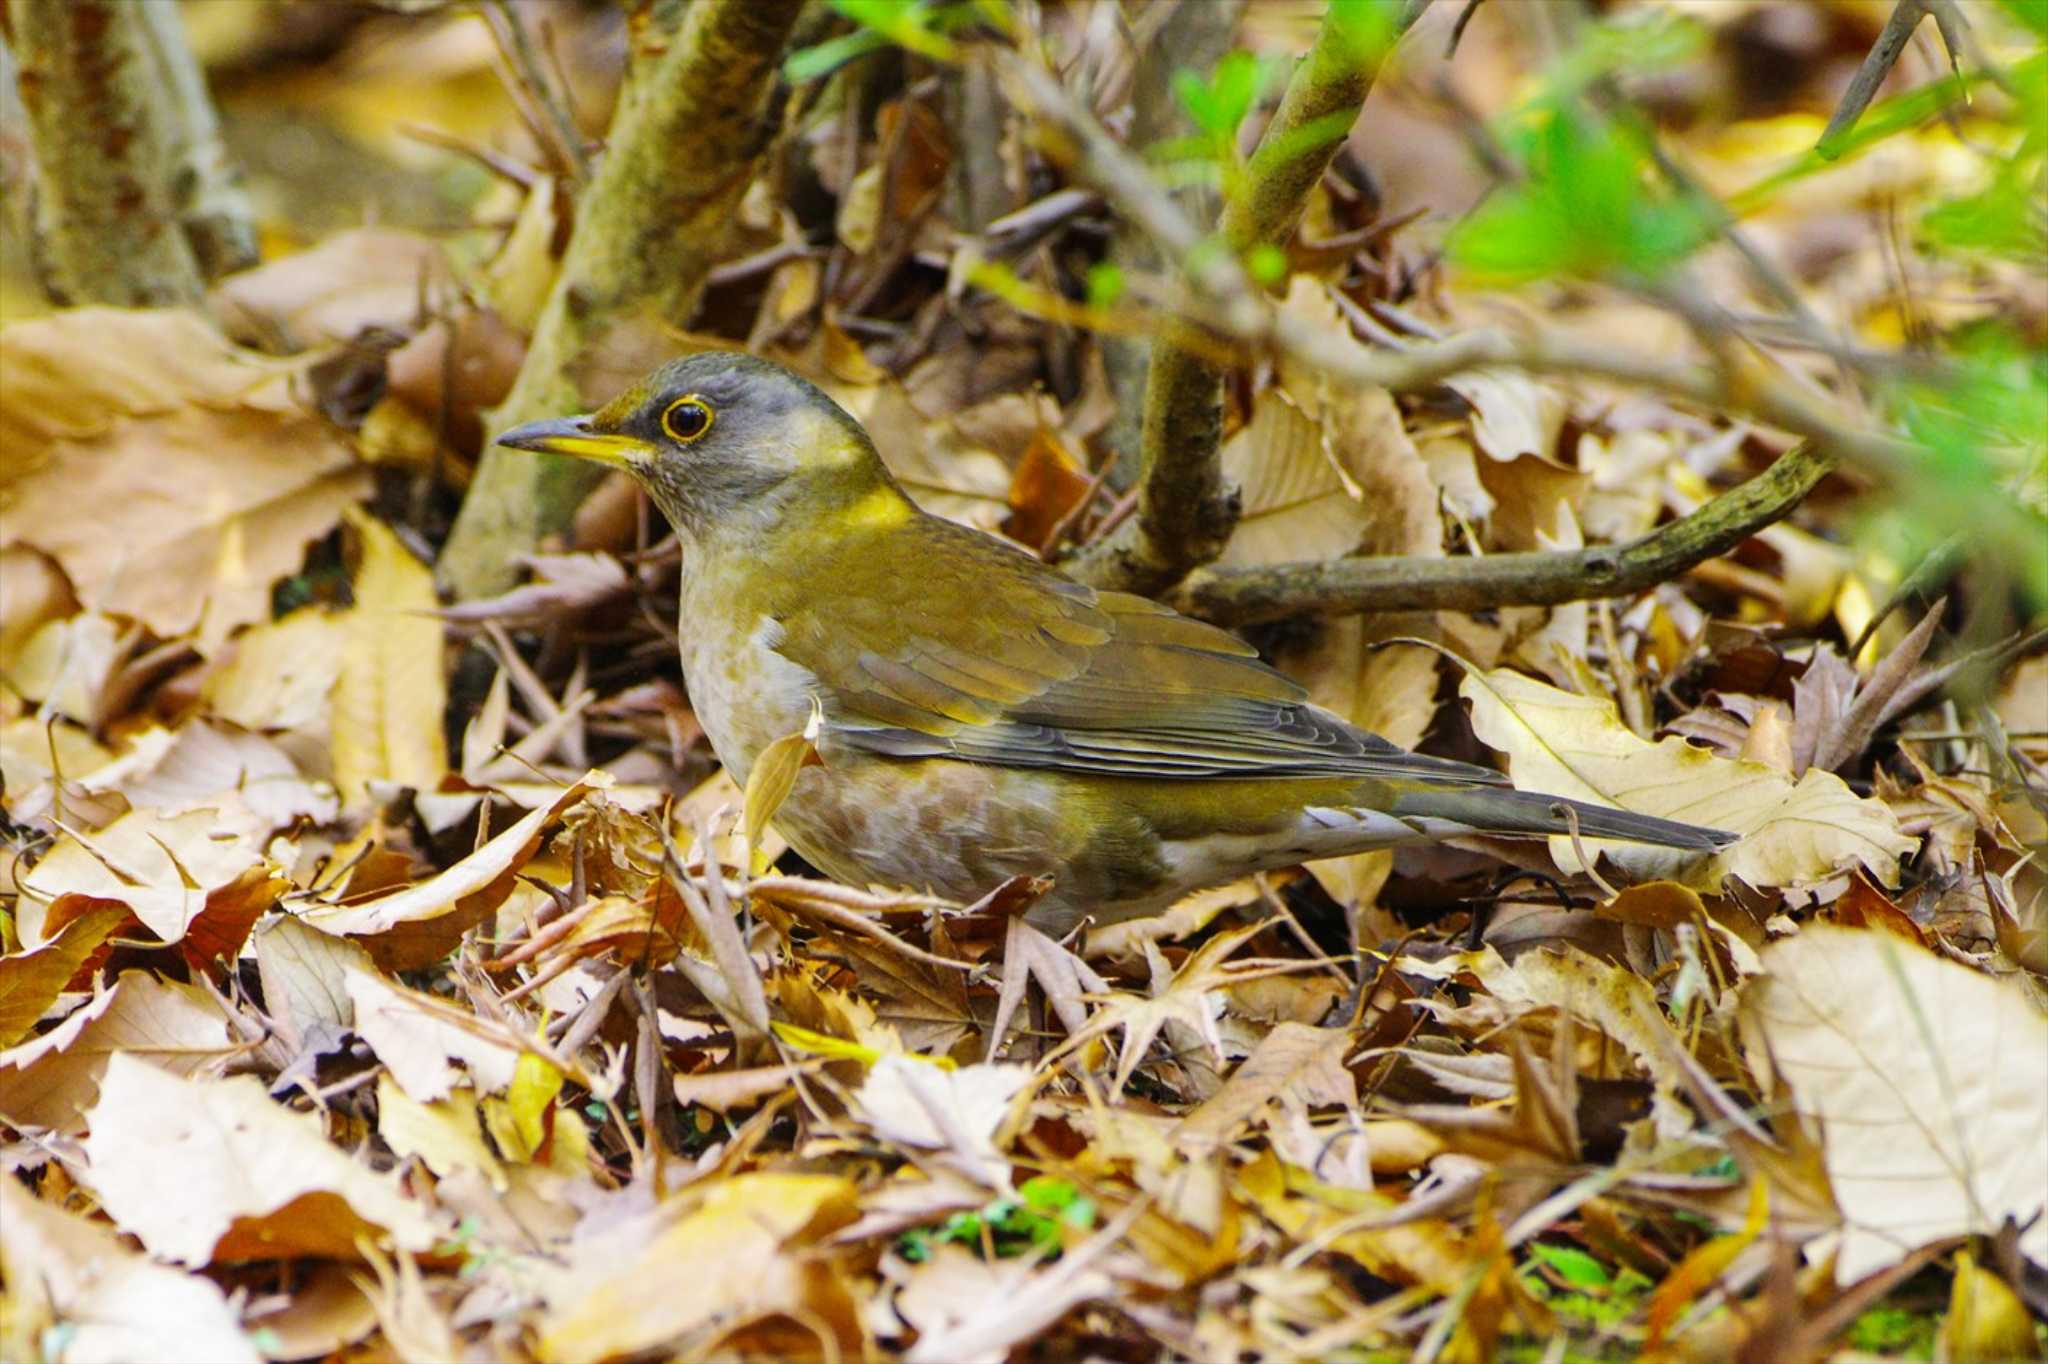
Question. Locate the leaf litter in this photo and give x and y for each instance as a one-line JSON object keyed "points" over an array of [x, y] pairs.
{"points": [[385, 978]]}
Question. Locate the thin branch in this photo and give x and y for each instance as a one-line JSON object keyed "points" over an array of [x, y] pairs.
{"points": [[1244, 596], [1186, 511], [1877, 64], [531, 79]]}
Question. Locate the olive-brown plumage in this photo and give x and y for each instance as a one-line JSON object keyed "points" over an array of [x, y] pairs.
{"points": [[984, 715]]}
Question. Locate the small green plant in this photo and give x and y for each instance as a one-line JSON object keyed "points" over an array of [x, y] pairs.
{"points": [[1029, 1224]]}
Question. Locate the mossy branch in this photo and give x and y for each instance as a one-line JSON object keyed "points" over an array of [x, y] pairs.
{"points": [[656, 219], [1246, 596], [1186, 511], [136, 204]]}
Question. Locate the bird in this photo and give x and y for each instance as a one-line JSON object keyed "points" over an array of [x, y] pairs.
{"points": [[979, 715]]}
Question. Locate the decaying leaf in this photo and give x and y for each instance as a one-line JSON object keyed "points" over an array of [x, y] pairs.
{"points": [[73, 1281], [1924, 1077], [197, 462], [391, 689], [205, 1171], [1577, 746]]}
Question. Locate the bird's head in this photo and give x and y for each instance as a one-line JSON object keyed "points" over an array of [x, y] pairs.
{"points": [[723, 439]]}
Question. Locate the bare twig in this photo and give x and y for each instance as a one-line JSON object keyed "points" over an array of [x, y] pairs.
{"points": [[1877, 64], [531, 84], [1185, 510], [1243, 596]]}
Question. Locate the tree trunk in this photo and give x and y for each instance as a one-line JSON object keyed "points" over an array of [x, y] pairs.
{"points": [[657, 216]]}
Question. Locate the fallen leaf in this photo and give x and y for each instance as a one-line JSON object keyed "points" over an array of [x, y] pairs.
{"points": [[165, 868], [392, 687], [955, 1112], [421, 923], [446, 1134], [77, 1294], [305, 978], [738, 1254], [1924, 1077], [1293, 1064], [173, 476], [214, 1171], [416, 1035], [1577, 746], [356, 279], [30, 981], [52, 1080]]}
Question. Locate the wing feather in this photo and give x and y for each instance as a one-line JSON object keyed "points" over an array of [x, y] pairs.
{"points": [[981, 653]]}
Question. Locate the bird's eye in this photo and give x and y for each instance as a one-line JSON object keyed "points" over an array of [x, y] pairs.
{"points": [[686, 419]]}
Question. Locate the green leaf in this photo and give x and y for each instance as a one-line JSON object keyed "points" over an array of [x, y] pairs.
{"points": [[1575, 1267], [1105, 285], [906, 23]]}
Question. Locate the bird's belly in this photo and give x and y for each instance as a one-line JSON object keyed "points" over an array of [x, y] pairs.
{"points": [[952, 829]]}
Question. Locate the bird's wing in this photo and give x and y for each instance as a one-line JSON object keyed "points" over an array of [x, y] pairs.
{"points": [[970, 649]]}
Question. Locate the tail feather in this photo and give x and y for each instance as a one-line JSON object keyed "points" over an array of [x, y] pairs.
{"points": [[1496, 811]]}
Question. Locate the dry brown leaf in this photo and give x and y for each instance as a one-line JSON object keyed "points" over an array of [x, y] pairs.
{"points": [[305, 978], [51, 1081], [205, 1171], [1577, 746], [1924, 1077], [249, 781], [165, 868], [1293, 1064], [392, 687], [419, 924], [173, 476], [971, 1311], [30, 981], [955, 1112], [415, 1035], [738, 1254], [1513, 414], [74, 1282], [361, 278]]}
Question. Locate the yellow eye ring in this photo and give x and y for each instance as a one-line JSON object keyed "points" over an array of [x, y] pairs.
{"points": [[686, 419]]}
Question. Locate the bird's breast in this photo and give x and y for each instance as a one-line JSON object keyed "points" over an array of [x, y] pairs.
{"points": [[745, 694]]}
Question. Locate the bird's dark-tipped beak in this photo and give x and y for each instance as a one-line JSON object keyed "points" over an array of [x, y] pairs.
{"points": [[574, 437]]}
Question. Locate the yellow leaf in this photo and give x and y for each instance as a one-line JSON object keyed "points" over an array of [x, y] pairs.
{"points": [[391, 692], [1577, 746], [31, 981], [1703, 1264], [840, 1049], [535, 1083], [769, 784], [1986, 1323], [444, 1134]]}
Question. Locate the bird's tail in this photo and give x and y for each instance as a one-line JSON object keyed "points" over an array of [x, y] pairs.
{"points": [[1501, 810]]}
